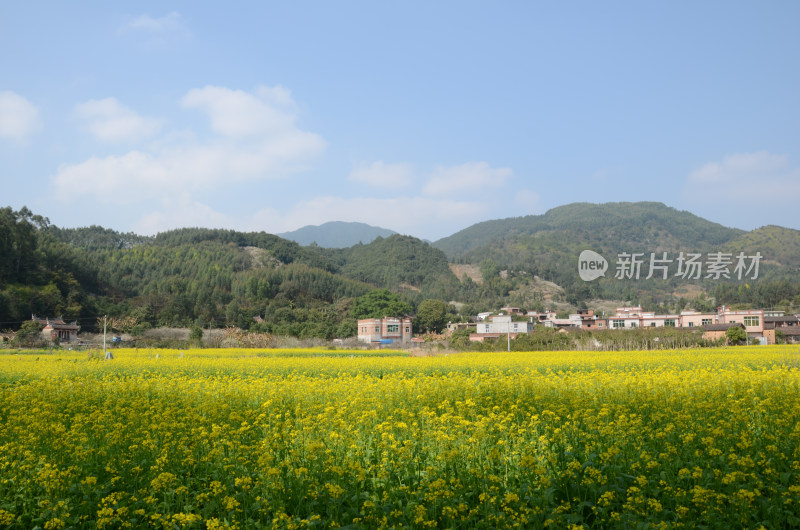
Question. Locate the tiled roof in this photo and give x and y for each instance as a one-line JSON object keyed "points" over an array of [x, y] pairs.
{"points": [[782, 320]]}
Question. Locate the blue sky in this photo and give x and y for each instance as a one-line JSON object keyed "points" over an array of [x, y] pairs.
{"points": [[421, 117]]}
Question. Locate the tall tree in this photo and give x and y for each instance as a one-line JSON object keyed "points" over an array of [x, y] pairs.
{"points": [[431, 316], [380, 303]]}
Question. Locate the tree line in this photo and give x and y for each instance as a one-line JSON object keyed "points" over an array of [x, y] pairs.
{"points": [[207, 278]]}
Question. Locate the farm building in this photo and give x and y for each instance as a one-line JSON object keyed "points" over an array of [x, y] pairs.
{"points": [[55, 329]]}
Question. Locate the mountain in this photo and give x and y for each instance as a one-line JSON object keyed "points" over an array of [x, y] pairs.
{"points": [[336, 234], [204, 277], [616, 225], [395, 262], [548, 246]]}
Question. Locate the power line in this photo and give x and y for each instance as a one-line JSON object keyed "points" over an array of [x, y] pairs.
{"points": [[79, 319]]}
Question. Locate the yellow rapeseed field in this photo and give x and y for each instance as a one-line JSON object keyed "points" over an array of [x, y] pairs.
{"points": [[317, 438]]}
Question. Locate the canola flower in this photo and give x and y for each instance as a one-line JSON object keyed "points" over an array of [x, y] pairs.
{"points": [[313, 438]]}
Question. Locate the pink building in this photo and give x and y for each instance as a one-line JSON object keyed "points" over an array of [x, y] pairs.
{"points": [[632, 311], [651, 320], [589, 320], [694, 319], [625, 318], [623, 322], [751, 319], [386, 330]]}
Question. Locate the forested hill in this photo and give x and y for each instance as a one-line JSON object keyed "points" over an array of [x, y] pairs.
{"points": [[202, 277], [214, 278], [97, 238], [617, 225], [398, 262], [548, 246]]}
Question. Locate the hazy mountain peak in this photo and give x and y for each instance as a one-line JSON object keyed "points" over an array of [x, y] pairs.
{"points": [[337, 234]]}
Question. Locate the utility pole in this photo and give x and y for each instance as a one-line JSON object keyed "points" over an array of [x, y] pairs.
{"points": [[106, 353], [508, 328]]}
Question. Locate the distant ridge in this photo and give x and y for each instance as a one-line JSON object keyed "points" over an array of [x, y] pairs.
{"points": [[337, 234], [615, 226]]}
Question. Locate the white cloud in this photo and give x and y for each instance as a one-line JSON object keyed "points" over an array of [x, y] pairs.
{"points": [[19, 118], [110, 121], [466, 178], [745, 176], [238, 114], [182, 211], [171, 23], [263, 148], [156, 33], [276, 95], [419, 216], [182, 214], [127, 178], [382, 175]]}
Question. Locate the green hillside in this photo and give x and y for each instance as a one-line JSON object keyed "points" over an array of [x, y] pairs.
{"points": [[548, 246], [215, 278], [779, 246], [397, 262], [619, 225], [203, 277]]}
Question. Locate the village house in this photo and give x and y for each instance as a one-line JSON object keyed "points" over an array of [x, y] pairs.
{"points": [[625, 318], [751, 319], [504, 324], [787, 326], [589, 320], [574, 321], [781, 321], [693, 319], [386, 330], [55, 329], [791, 334], [651, 320], [500, 325], [452, 327], [541, 317]]}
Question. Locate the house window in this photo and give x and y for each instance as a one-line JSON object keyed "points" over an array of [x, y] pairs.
{"points": [[634, 325], [691, 324], [652, 324], [705, 321], [751, 321], [377, 329], [670, 322], [393, 328], [616, 324], [407, 330]]}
